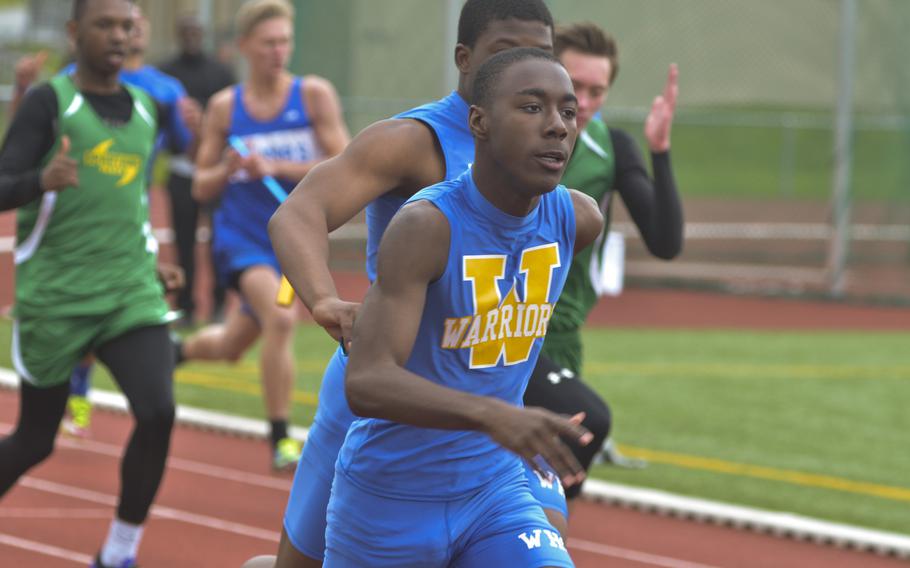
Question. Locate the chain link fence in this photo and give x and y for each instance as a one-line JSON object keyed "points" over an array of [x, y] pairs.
{"points": [[754, 134]]}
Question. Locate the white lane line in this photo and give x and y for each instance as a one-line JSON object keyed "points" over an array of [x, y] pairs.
{"points": [[181, 464], [68, 491], [633, 555], [229, 474], [53, 513], [46, 549], [215, 523], [157, 510]]}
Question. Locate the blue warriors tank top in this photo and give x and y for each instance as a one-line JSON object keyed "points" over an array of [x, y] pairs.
{"points": [[246, 205], [448, 118], [481, 330]]}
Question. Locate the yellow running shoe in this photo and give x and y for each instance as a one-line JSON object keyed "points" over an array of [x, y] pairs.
{"points": [[80, 416], [287, 454]]}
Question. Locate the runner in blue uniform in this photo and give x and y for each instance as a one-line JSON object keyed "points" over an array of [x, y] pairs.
{"points": [[467, 277], [289, 124], [385, 164], [383, 167]]}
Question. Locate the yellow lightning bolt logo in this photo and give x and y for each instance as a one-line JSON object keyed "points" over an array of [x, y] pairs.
{"points": [[126, 166]]}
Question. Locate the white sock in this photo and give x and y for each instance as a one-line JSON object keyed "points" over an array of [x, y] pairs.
{"points": [[121, 544]]}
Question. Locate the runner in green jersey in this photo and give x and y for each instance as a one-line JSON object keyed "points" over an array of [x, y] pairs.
{"points": [[605, 160], [74, 164], [87, 253]]}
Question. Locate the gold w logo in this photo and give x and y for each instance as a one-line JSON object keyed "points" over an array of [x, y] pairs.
{"points": [[127, 166], [504, 328]]}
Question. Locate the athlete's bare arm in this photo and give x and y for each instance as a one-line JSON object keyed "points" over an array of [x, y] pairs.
{"points": [[191, 114], [332, 135], [413, 253], [589, 220], [215, 162], [398, 156]]}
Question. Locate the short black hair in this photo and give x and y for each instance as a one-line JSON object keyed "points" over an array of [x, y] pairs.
{"points": [[476, 15], [492, 69], [79, 8]]}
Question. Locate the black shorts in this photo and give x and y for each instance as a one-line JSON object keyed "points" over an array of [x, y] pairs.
{"points": [[562, 391]]}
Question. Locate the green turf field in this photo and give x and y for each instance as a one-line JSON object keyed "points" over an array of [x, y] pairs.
{"points": [[813, 423], [724, 160]]}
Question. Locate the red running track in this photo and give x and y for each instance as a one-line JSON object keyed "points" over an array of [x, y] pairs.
{"points": [[220, 504]]}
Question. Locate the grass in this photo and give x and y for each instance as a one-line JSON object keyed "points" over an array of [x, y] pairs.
{"points": [[765, 162], [758, 419], [827, 404]]}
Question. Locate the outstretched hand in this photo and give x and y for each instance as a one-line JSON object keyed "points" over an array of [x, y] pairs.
{"points": [[660, 119], [535, 433]]}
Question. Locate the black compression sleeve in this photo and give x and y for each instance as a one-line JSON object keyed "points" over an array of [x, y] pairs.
{"points": [[654, 205], [29, 138]]}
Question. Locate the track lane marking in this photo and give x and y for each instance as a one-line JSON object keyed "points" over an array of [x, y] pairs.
{"points": [[159, 511], [47, 513], [633, 555], [180, 464], [45, 549]]}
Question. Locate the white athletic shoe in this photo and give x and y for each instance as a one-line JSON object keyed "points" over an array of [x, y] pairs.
{"points": [[609, 454]]}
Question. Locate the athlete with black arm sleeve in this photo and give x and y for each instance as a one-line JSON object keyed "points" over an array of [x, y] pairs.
{"points": [[74, 163], [605, 161]]}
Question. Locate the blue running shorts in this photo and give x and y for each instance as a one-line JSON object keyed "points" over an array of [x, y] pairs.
{"points": [[501, 525], [304, 517], [547, 490]]}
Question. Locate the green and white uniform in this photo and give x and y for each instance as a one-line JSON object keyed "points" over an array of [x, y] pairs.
{"points": [[85, 259], [591, 170]]}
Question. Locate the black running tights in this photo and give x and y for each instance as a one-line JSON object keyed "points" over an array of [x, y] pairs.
{"points": [[560, 391], [142, 363]]}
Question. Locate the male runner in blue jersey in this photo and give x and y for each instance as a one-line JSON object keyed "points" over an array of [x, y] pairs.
{"points": [[382, 167], [468, 273], [290, 124]]}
